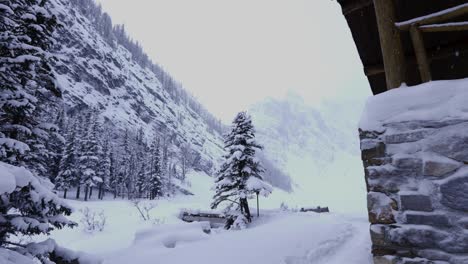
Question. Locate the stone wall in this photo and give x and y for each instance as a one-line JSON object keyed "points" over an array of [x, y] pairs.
{"points": [[417, 182]]}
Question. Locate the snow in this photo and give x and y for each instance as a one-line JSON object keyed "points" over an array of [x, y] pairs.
{"points": [[276, 237], [255, 184], [11, 257], [445, 25], [294, 238], [14, 144], [6, 8], [7, 181], [436, 101], [423, 18]]}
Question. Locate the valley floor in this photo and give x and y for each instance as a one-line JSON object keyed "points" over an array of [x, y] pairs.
{"points": [[276, 237]]}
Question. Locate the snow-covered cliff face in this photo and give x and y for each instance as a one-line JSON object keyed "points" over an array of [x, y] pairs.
{"points": [[317, 146], [95, 73]]}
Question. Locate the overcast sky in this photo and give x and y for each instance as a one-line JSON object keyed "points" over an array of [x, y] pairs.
{"points": [[231, 54]]}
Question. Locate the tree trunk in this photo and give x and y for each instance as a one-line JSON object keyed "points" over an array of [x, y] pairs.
{"points": [[245, 208], [90, 192], [65, 194], [100, 193], [78, 189], [86, 193], [115, 194]]}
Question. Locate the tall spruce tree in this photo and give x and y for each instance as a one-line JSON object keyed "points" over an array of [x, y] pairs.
{"points": [[90, 152], [240, 174], [104, 168], [68, 175], [155, 183], [27, 88]]}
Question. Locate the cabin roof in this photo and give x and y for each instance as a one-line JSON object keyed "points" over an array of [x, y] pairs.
{"points": [[447, 51]]}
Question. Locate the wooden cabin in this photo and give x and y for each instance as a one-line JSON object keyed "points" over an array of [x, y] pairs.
{"points": [[395, 47]]}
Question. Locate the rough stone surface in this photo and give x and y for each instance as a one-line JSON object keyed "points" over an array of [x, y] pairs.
{"points": [[421, 165], [408, 166], [452, 147], [416, 261], [455, 194], [385, 260], [409, 237], [427, 219], [416, 202], [463, 223], [439, 168], [380, 208], [372, 150], [405, 137], [377, 233]]}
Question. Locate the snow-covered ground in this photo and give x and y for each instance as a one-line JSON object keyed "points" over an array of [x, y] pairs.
{"points": [[276, 237]]}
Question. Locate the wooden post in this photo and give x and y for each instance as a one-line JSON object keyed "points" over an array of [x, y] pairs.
{"points": [[420, 51], [258, 207], [390, 42]]}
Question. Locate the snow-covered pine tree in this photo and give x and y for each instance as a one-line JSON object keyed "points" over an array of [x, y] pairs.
{"points": [[240, 174], [27, 204], [104, 168], [90, 151], [56, 145], [155, 184], [123, 174], [164, 165], [68, 175], [114, 169]]}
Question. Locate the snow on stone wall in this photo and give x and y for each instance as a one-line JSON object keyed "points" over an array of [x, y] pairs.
{"points": [[414, 143]]}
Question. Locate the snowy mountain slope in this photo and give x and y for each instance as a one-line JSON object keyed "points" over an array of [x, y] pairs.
{"points": [[94, 73], [317, 146]]}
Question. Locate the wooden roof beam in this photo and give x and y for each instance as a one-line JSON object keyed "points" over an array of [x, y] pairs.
{"points": [[353, 6], [447, 27], [437, 17]]}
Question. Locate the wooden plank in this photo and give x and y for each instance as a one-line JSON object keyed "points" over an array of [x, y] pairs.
{"points": [[437, 17], [420, 52], [447, 27], [353, 6], [390, 43], [373, 70]]}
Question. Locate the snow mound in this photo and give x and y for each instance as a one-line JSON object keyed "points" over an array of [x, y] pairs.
{"points": [[11, 257], [447, 100], [171, 235]]}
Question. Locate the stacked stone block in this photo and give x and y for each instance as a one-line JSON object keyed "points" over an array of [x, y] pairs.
{"points": [[417, 181]]}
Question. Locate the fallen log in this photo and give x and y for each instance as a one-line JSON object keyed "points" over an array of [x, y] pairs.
{"points": [[215, 219], [317, 209]]}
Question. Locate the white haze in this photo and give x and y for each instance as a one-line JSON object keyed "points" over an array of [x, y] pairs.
{"points": [[231, 54], [245, 54]]}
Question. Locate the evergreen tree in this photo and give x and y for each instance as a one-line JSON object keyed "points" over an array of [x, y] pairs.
{"points": [[123, 175], [240, 174], [56, 145], [90, 151], [104, 168], [27, 87], [113, 181], [155, 184], [68, 173]]}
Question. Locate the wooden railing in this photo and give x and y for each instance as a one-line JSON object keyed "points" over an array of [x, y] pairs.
{"points": [[436, 22]]}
